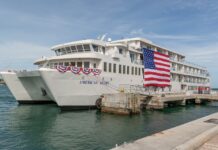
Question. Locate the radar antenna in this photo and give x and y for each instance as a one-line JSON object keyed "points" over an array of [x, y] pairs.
{"points": [[102, 37]]}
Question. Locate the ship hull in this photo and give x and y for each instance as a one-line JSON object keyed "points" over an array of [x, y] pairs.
{"points": [[72, 91], [27, 87], [76, 91]]}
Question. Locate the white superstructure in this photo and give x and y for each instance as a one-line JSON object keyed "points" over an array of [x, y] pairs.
{"points": [[121, 65]]}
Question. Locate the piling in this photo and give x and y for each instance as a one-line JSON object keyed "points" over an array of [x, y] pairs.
{"points": [[197, 100], [121, 103], [183, 102]]}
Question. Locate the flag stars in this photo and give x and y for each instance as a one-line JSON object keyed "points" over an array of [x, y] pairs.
{"points": [[149, 59]]}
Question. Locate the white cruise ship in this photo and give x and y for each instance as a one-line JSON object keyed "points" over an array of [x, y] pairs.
{"points": [[81, 71]]}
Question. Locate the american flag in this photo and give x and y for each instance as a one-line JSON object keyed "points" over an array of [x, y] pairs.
{"points": [[156, 69]]}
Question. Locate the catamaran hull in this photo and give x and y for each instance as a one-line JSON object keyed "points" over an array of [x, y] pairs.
{"points": [[27, 87], [68, 90], [76, 91]]}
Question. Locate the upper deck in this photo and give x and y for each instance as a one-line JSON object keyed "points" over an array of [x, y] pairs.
{"points": [[123, 58], [118, 49]]}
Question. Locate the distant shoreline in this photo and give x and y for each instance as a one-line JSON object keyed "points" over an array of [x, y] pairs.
{"points": [[2, 81]]}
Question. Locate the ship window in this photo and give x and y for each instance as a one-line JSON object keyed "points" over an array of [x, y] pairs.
{"points": [[94, 65], [143, 71], [63, 51], [86, 47], [68, 49], [159, 50], [95, 47], [124, 69], [127, 69], [103, 50], [86, 64], [52, 65], [79, 64], [105, 66], [73, 48], [114, 68], [79, 48], [73, 64], [66, 64], [60, 63], [135, 71], [110, 67], [149, 47], [132, 70], [139, 71], [120, 69], [55, 65], [120, 51], [132, 57], [57, 52]]}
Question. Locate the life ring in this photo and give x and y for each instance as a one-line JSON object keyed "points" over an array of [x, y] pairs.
{"points": [[44, 93], [98, 103]]}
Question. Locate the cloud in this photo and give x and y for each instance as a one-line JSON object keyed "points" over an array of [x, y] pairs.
{"points": [[121, 29], [203, 54], [174, 37], [51, 20], [17, 54], [193, 4], [206, 56], [140, 32]]}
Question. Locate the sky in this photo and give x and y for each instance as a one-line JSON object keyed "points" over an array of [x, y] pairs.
{"points": [[29, 28]]}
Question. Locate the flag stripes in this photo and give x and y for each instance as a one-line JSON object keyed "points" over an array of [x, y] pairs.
{"points": [[156, 69]]}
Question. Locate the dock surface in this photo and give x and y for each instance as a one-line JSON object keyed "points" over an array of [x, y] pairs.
{"points": [[133, 103], [188, 136], [212, 144]]}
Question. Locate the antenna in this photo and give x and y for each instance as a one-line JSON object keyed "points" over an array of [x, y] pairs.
{"points": [[99, 37], [103, 37]]}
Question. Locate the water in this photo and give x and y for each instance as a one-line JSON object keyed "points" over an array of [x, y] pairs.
{"points": [[44, 127]]}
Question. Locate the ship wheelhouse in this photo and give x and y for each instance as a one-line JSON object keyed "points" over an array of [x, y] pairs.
{"points": [[84, 54]]}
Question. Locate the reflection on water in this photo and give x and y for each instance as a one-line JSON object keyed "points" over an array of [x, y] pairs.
{"points": [[45, 127]]}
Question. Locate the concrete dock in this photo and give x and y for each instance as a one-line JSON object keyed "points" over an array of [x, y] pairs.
{"points": [[132, 103], [121, 103], [159, 102], [198, 134], [212, 144]]}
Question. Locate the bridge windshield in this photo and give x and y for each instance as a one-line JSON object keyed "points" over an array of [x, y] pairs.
{"points": [[73, 49]]}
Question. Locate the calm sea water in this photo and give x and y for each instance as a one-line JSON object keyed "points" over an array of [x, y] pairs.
{"points": [[44, 127]]}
